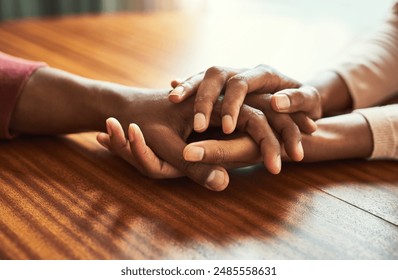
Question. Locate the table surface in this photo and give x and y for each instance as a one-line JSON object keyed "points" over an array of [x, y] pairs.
{"points": [[66, 197]]}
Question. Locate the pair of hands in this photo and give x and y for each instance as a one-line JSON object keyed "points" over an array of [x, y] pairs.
{"points": [[270, 111]]}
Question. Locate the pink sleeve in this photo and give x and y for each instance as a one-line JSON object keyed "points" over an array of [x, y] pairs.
{"points": [[14, 73]]}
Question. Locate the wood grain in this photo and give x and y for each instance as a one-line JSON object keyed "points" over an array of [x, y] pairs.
{"points": [[67, 198]]}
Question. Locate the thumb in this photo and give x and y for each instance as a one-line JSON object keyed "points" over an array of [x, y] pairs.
{"points": [[304, 99]]}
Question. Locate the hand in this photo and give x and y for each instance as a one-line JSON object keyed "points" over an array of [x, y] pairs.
{"points": [[250, 120], [305, 99], [339, 137], [236, 83], [135, 151], [166, 127], [70, 103]]}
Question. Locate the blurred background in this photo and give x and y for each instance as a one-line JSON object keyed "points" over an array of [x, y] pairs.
{"points": [[12, 9], [343, 9], [299, 37]]}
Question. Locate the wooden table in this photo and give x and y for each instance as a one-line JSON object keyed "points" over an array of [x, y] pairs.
{"points": [[67, 198]]}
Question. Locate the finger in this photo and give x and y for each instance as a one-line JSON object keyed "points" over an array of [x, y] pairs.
{"points": [[212, 177], [283, 124], [260, 78], [232, 153], [262, 102], [185, 89], [254, 122], [142, 156], [208, 92], [118, 141], [119, 144], [305, 99], [174, 83], [289, 134], [104, 140], [149, 163], [305, 124]]}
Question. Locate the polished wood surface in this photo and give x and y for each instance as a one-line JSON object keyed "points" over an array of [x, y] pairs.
{"points": [[66, 197]]}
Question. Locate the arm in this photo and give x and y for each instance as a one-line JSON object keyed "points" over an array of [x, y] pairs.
{"points": [[339, 137], [237, 84], [14, 73], [369, 68], [54, 101], [366, 76]]}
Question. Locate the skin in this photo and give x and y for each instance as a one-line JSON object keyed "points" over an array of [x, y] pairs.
{"points": [[235, 85], [337, 137], [70, 103]]}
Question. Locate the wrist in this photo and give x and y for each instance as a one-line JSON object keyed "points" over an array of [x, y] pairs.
{"points": [[334, 93], [339, 137], [126, 104], [57, 102], [106, 100]]}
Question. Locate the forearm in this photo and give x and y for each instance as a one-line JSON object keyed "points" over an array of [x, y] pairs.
{"points": [[339, 137], [54, 101], [335, 96]]}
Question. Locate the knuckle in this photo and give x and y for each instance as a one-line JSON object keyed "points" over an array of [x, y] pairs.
{"points": [[238, 80], [266, 70], [297, 97], [255, 116], [215, 71], [263, 66], [219, 156]]}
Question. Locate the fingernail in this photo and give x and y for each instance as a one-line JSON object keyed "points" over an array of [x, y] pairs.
{"points": [[216, 180], [108, 128], [131, 132], [227, 124], [199, 122], [177, 91], [300, 150], [278, 164], [194, 153], [282, 102]]}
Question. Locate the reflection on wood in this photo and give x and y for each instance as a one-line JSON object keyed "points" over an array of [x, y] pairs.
{"points": [[66, 197]]}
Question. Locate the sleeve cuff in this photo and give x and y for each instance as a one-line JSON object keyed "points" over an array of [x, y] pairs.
{"points": [[383, 122], [14, 74]]}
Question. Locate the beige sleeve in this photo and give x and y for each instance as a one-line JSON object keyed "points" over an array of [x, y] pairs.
{"points": [[383, 122], [370, 69]]}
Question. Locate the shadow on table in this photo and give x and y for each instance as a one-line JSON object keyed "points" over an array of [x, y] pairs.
{"points": [[126, 215]]}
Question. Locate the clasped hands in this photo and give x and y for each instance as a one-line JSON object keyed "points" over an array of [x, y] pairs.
{"points": [[262, 113]]}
